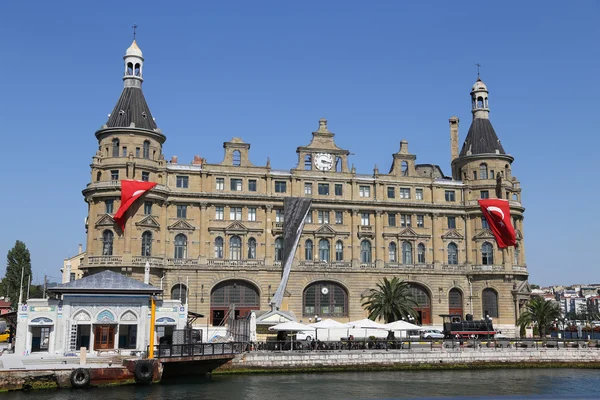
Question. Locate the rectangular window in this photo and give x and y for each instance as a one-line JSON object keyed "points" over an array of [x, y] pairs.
{"points": [[114, 175], [71, 276], [405, 193], [181, 211], [391, 219], [405, 220], [324, 189], [484, 223], [419, 194], [219, 212], [124, 151], [280, 186], [339, 217], [339, 189], [236, 185], [108, 206], [323, 217], [451, 222], [145, 176], [365, 219], [147, 208], [251, 213], [391, 192], [252, 185], [235, 213], [450, 195], [220, 183], [137, 152], [309, 217], [307, 188], [278, 215], [420, 221], [484, 194], [364, 191], [182, 181]]}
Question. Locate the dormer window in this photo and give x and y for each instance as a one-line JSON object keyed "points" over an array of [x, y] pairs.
{"points": [[237, 158]]}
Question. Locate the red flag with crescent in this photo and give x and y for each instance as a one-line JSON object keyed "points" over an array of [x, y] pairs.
{"points": [[130, 192], [497, 214]]}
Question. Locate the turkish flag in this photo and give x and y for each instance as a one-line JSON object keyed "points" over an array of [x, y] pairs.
{"points": [[497, 214], [130, 192]]}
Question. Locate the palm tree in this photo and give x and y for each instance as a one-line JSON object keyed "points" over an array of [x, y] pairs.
{"points": [[540, 312], [392, 300]]}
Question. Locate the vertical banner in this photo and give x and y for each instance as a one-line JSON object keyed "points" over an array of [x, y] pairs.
{"points": [[295, 210]]}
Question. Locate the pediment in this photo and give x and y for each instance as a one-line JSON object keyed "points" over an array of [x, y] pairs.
{"points": [[408, 232], [452, 234], [523, 288], [181, 225], [484, 234], [105, 220], [236, 227], [149, 222], [325, 230]]}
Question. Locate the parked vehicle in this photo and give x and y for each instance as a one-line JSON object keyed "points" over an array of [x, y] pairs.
{"points": [[5, 335], [305, 335], [455, 326], [431, 334]]}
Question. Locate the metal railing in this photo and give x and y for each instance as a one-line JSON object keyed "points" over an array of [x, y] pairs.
{"points": [[199, 349]]}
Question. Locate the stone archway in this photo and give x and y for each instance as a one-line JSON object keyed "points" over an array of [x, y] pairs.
{"points": [[244, 296]]}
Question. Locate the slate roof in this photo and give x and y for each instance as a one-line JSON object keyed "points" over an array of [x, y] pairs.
{"points": [[131, 107], [481, 139], [105, 282]]}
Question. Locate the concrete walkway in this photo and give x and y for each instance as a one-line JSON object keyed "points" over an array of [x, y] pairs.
{"points": [[56, 362]]}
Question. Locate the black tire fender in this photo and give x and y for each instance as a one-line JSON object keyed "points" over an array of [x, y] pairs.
{"points": [[80, 378], [144, 371]]}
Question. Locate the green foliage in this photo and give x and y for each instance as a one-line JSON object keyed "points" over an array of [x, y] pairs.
{"points": [[392, 300], [534, 286], [539, 313], [18, 260]]}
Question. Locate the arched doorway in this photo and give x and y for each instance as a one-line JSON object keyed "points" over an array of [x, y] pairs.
{"points": [[455, 302], [421, 296], [242, 295]]}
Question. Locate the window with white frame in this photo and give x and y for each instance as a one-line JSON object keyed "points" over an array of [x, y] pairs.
{"points": [[391, 219], [323, 217], [339, 217], [309, 217], [181, 211], [405, 220], [280, 186], [419, 194], [364, 191], [220, 183], [182, 181], [219, 212], [420, 221], [236, 185], [405, 193], [278, 215], [307, 188], [251, 213], [450, 195], [235, 213], [365, 219]]}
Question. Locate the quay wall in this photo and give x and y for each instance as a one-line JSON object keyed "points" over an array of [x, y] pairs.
{"points": [[400, 359]]}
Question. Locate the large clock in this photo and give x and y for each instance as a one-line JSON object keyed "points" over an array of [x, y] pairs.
{"points": [[323, 161]]}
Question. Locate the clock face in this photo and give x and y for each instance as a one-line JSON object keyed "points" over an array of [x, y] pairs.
{"points": [[323, 161], [324, 290]]}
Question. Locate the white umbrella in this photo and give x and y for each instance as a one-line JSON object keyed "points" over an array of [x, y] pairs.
{"points": [[291, 326], [402, 326], [329, 324], [367, 324]]}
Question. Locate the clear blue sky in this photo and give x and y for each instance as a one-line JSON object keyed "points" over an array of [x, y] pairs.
{"points": [[268, 70]]}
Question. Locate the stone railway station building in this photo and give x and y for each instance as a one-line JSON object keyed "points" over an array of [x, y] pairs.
{"points": [[212, 232]]}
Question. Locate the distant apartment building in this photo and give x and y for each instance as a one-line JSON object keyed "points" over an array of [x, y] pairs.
{"points": [[70, 270]]}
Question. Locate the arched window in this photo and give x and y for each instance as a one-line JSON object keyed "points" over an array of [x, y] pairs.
{"points": [[324, 250], [325, 299], [421, 253], [235, 248], [129, 68], [107, 243], [480, 102], [517, 252], [180, 246], [279, 249], [115, 147], [489, 299], [307, 162], [423, 308], [338, 164], [308, 250], [244, 295], [137, 70], [146, 149], [452, 254], [339, 251], [179, 292], [251, 249], [146, 244], [237, 158], [487, 253], [486, 102], [392, 252], [365, 251], [98, 176], [483, 171], [404, 168], [407, 256], [455, 302], [218, 247]]}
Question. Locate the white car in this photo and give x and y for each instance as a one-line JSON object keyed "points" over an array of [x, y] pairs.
{"points": [[432, 334], [305, 335]]}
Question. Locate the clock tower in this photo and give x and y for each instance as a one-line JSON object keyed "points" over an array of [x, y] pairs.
{"points": [[322, 154]]}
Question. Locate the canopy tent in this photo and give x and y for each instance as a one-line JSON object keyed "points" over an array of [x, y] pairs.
{"points": [[402, 326], [291, 326], [329, 324], [366, 324]]}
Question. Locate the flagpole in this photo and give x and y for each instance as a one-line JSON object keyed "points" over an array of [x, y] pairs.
{"points": [[21, 287], [28, 284]]}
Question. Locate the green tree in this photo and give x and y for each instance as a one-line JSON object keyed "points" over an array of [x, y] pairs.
{"points": [[534, 286], [540, 313], [392, 300], [18, 260]]}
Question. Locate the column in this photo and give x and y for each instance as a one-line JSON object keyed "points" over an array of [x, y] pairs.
{"points": [[268, 235], [355, 239], [378, 239], [203, 232], [467, 241], [166, 240], [434, 238]]}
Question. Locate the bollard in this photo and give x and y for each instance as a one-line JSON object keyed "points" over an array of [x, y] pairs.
{"points": [[82, 356]]}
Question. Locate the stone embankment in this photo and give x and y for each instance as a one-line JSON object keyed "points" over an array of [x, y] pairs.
{"points": [[409, 359]]}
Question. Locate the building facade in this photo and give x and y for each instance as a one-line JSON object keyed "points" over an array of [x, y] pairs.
{"points": [[70, 270], [212, 231]]}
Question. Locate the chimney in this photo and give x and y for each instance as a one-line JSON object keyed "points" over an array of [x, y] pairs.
{"points": [[174, 160], [80, 248], [197, 160], [453, 137]]}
